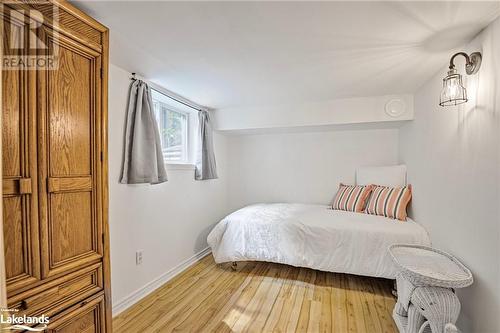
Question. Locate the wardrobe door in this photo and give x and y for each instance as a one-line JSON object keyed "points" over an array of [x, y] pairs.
{"points": [[71, 228], [20, 222]]}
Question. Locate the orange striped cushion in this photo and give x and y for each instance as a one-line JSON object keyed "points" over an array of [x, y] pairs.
{"points": [[351, 198], [389, 201]]}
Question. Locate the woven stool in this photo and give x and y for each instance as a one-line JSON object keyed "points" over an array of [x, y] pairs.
{"points": [[426, 283]]}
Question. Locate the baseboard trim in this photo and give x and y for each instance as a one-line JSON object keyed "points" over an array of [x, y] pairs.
{"points": [[142, 292]]}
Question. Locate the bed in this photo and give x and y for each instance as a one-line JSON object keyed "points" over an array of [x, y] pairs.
{"points": [[313, 236]]}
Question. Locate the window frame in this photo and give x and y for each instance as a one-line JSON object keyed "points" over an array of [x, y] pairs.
{"points": [[186, 134]]}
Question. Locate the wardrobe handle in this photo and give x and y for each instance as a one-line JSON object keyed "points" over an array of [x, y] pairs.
{"points": [[17, 186], [47, 296], [25, 186]]}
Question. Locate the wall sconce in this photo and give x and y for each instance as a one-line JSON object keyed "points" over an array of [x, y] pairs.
{"points": [[454, 92]]}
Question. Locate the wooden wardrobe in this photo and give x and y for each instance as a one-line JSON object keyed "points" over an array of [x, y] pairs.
{"points": [[54, 138]]}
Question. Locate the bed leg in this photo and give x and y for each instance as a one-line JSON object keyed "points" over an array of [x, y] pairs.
{"points": [[234, 265], [395, 289]]}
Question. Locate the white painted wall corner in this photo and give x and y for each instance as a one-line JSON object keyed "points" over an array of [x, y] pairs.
{"points": [[148, 288]]}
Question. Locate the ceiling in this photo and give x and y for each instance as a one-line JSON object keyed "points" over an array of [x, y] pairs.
{"points": [[229, 54]]}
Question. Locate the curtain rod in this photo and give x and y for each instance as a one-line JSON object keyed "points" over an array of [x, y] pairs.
{"points": [[133, 78]]}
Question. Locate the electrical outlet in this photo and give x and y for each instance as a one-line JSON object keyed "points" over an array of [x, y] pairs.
{"points": [[138, 257]]}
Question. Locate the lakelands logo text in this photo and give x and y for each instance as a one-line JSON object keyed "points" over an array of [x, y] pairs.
{"points": [[22, 323], [29, 42]]}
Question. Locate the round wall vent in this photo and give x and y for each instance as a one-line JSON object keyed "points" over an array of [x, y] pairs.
{"points": [[395, 107]]}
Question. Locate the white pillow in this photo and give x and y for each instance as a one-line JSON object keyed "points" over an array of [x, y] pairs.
{"points": [[392, 176]]}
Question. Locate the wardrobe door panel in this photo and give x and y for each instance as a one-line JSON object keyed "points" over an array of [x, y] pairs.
{"points": [[71, 230], [71, 226], [71, 115], [20, 218], [12, 131], [14, 236]]}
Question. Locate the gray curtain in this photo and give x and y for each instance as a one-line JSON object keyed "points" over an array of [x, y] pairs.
{"points": [[205, 161], [142, 155]]}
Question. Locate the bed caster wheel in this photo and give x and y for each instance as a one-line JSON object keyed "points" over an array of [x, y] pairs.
{"points": [[234, 265], [450, 328], [394, 290]]}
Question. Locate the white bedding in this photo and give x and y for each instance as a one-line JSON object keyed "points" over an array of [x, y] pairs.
{"points": [[313, 236]]}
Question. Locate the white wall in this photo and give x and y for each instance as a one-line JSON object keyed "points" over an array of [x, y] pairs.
{"points": [[452, 156], [169, 221], [333, 112], [302, 167]]}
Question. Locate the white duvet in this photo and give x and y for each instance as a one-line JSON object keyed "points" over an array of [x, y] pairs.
{"points": [[313, 236]]}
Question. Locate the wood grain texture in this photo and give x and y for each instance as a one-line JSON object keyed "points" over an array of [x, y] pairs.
{"points": [[262, 297], [60, 293], [71, 230], [70, 184], [12, 104], [65, 19], [69, 158], [20, 218], [14, 237], [84, 317], [104, 199], [70, 115], [17, 186]]}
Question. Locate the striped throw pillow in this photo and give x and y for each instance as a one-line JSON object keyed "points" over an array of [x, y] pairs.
{"points": [[351, 198], [389, 201]]}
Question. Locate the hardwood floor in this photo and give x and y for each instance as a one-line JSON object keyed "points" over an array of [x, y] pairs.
{"points": [[262, 297]]}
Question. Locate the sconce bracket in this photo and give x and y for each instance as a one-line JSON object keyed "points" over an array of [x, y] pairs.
{"points": [[472, 67], [472, 62]]}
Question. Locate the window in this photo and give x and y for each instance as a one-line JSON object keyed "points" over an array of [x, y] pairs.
{"points": [[173, 123]]}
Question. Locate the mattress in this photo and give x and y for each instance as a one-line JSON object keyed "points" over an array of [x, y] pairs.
{"points": [[313, 236]]}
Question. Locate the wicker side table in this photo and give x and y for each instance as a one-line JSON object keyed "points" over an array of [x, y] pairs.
{"points": [[426, 282]]}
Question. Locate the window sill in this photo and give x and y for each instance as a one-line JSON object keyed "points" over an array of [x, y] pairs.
{"points": [[180, 166]]}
